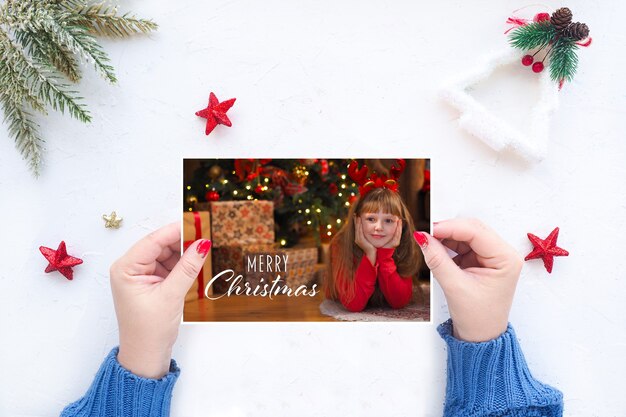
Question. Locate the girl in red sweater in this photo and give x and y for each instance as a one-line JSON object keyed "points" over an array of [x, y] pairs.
{"points": [[374, 257]]}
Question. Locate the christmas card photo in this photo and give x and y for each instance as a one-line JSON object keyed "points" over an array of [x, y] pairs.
{"points": [[307, 239]]}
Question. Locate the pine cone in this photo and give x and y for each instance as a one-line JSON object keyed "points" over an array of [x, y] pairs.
{"points": [[561, 18], [576, 31]]}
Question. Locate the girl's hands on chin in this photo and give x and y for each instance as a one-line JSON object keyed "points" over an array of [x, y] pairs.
{"points": [[397, 235], [362, 242]]}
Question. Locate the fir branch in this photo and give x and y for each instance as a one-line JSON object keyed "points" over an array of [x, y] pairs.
{"points": [[66, 30], [15, 88], [70, 4], [103, 20], [40, 79], [532, 35], [563, 60], [24, 131], [39, 41], [62, 26], [42, 47]]}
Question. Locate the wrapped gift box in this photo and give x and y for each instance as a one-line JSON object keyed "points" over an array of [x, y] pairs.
{"points": [[301, 267], [232, 257], [197, 225], [242, 222]]}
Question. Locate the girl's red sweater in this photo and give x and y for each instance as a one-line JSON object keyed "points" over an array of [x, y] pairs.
{"points": [[397, 290]]}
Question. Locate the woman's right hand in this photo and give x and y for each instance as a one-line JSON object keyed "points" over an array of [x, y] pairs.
{"points": [[149, 284], [362, 242], [479, 283]]}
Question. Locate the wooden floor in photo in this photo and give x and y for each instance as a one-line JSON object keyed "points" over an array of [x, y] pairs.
{"points": [[242, 308], [284, 308]]}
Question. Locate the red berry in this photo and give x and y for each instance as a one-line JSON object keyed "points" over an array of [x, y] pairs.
{"points": [[538, 67], [527, 60], [540, 17]]}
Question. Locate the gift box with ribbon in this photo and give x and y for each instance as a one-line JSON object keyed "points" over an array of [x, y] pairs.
{"points": [[236, 227], [197, 225]]}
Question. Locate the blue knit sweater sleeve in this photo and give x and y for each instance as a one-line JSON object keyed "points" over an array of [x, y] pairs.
{"points": [[492, 379], [115, 391]]}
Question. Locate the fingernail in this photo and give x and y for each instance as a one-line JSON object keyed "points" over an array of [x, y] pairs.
{"points": [[203, 247], [421, 239]]}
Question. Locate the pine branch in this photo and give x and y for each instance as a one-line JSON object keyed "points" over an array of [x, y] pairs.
{"points": [[24, 131], [42, 47], [14, 88], [533, 35], [17, 89], [78, 39], [62, 26], [40, 79], [66, 30], [563, 60], [70, 4], [103, 20], [39, 41]]}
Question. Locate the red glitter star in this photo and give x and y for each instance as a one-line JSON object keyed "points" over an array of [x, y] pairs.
{"points": [[215, 113], [546, 249], [59, 260]]}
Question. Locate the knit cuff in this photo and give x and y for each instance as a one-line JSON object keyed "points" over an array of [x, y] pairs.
{"points": [[492, 378], [115, 391]]}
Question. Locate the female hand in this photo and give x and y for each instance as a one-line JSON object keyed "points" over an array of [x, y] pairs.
{"points": [[362, 242], [397, 235], [149, 284], [479, 283]]}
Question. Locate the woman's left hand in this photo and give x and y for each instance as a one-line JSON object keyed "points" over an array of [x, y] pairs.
{"points": [[397, 235]]}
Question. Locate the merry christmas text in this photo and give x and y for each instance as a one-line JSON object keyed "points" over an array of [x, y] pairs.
{"points": [[266, 263], [268, 289]]}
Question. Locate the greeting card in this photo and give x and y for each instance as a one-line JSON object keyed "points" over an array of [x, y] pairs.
{"points": [[308, 239]]}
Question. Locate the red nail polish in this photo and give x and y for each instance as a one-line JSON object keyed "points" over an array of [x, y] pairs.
{"points": [[421, 239], [203, 247]]}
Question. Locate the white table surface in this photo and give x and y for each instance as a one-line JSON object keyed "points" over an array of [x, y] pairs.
{"points": [[320, 79]]}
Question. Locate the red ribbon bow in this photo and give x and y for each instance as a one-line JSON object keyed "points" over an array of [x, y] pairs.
{"points": [[187, 243]]}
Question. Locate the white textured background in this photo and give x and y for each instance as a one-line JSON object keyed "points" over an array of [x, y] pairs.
{"points": [[320, 78]]}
